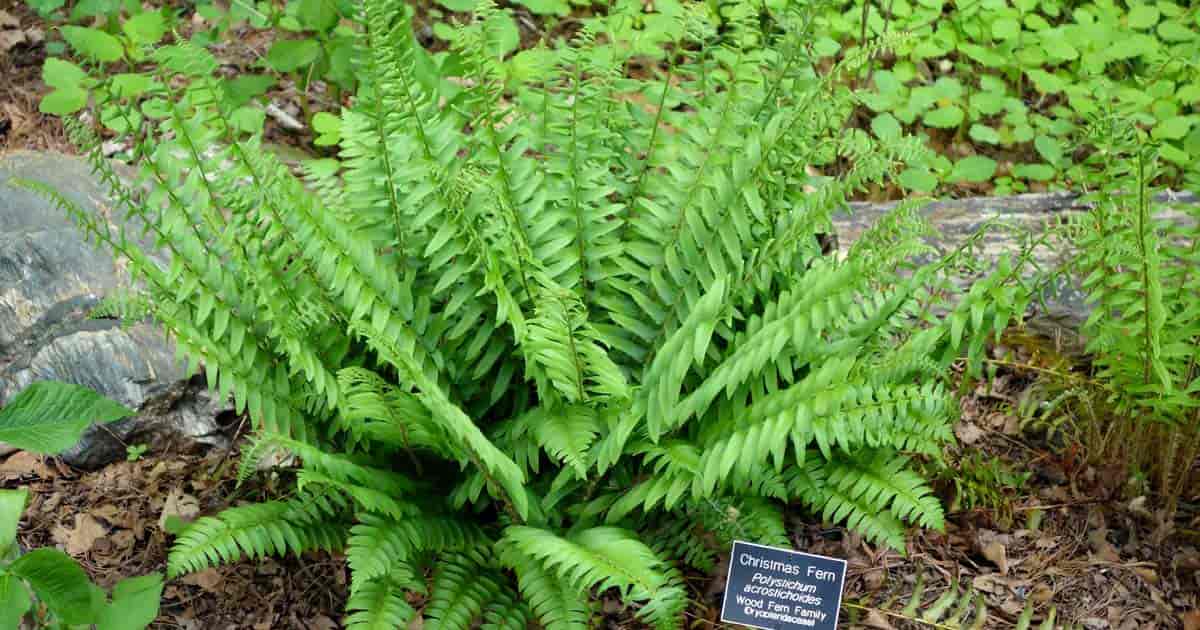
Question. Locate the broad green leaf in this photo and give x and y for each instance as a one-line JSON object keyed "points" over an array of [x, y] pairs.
{"points": [[129, 85], [918, 179], [12, 504], [886, 127], [826, 47], [64, 101], [976, 169], [1058, 48], [1175, 32], [14, 602], [328, 128], [1049, 148], [1044, 81], [248, 119], [1006, 28], [1036, 172], [1174, 128], [502, 35], [145, 29], [318, 15], [984, 133], [287, 55], [944, 117], [187, 59], [241, 89], [49, 416], [60, 73], [59, 582], [988, 103], [134, 604], [93, 43], [546, 7], [1143, 16]]}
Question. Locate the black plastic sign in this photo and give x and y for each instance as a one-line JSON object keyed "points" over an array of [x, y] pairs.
{"points": [[781, 589]]}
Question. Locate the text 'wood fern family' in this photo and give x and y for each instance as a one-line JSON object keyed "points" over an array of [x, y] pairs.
{"points": [[535, 338]]}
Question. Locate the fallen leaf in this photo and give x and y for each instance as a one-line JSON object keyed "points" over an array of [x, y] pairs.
{"points": [[180, 505], [968, 432], [79, 540], [1191, 620], [8, 21], [208, 579], [1103, 549], [322, 622], [24, 463], [1146, 573], [998, 556], [875, 619], [10, 39], [1041, 594]]}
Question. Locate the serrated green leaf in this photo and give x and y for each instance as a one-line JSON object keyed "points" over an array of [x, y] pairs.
{"points": [[49, 416], [93, 43], [59, 582], [146, 28]]}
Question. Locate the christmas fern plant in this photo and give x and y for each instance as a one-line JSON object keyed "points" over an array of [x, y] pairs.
{"points": [[537, 338]]}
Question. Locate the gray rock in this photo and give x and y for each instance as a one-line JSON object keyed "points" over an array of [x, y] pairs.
{"points": [[1062, 308], [50, 279]]}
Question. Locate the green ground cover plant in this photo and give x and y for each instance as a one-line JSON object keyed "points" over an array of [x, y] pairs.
{"points": [[1139, 260], [539, 335], [1004, 89], [46, 587]]}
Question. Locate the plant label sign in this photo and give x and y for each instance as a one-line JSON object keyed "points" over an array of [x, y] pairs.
{"points": [[781, 589]]}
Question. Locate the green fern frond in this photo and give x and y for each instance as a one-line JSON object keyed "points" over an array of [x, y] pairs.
{"points": [[377, 543], [379, 604], [258, 530]]}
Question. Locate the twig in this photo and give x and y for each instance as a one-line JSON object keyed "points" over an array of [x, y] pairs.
{"points": [[285, 120]]}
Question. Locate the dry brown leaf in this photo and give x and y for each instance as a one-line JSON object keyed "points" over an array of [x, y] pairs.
{"points": [[208, 579], [1191, 620], [968, 432], [79, 539], [995, 552], [8, 21], [10, 39], [185, 506], [876, 619], [1146, 573], [24, 463], [322, 623], [1041, 594]]}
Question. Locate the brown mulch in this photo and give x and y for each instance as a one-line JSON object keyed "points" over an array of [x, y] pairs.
{"points": [[22, 51], [112, 522]]}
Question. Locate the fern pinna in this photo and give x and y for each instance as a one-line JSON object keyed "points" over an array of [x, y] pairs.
{"points": [[552, 325]]}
